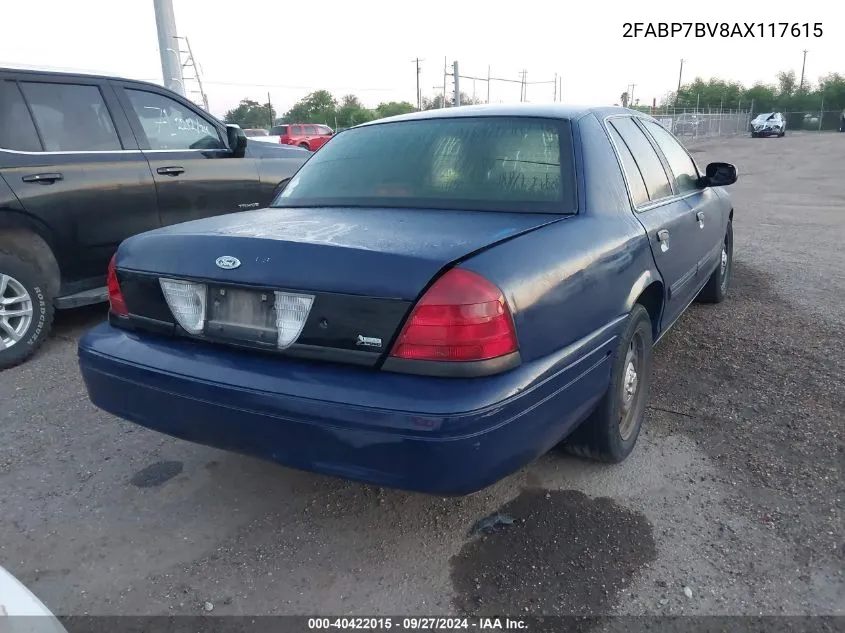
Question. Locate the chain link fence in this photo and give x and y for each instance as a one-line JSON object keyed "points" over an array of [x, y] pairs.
{"points": [[691, 123], [704, 123]]}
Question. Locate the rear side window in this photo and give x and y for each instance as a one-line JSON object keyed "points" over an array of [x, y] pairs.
{"points": [[170, 125], [17, 131], [656, 180], [686, 174], [310, 130], [322, 130], [71, 117], [639, 193], [474, 163]]}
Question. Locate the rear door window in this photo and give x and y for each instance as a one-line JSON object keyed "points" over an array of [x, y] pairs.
{"points": [[296, 130], [310, 130], [17, 131], [682, 166], [639, 193], [71, 117], [656, 181]]}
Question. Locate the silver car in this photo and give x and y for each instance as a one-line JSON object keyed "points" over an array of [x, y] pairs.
{"points": [[768, 124]]}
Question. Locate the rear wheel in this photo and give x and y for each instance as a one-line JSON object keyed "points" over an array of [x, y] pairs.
{"points": [[717, 286], [305, 146], [611, 431], [26, 310]]}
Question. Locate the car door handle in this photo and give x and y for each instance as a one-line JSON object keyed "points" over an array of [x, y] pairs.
{"points": [[700, 216], [43, 179], [663, 238], [170, 171]]}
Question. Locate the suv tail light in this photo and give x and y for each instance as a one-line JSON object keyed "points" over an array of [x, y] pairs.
{"points": [[462, 317], [117, 304]]}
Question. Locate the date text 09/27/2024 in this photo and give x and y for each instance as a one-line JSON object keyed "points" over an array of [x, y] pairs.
{"points": [[416, 623], [722, 29]]}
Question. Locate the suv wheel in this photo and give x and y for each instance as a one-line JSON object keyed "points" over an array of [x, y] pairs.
{"points": [[26, 310]]}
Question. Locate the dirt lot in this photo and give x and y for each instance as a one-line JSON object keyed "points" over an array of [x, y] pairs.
{"points": [[731, 504]]}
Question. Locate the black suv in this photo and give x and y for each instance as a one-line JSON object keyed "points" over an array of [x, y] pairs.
{"points": [[87, 161]]}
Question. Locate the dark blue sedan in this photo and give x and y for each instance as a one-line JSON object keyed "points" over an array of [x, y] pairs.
{"points": [[432, 302]]}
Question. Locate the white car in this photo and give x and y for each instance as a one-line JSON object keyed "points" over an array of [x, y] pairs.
{"points": [[16, 600], [768, 124]]}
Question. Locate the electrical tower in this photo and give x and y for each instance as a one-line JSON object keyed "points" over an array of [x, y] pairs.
{"points": [[193, 74]]}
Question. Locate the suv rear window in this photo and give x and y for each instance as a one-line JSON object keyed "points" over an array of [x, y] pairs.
{"points": [[476, 163], [279, 130]]}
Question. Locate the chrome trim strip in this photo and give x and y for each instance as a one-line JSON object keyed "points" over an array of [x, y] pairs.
{"points": [[111, 151]]}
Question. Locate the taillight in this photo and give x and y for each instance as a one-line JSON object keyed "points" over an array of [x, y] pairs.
{"points": [[117, 304], [186, 301], [462, 317]]}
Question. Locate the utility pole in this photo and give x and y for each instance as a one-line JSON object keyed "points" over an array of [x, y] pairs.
{"points": [[522, 88], [168, 47], [555, 96], [445, 67], [680, 74], [457, 84], [419, 94], [488, 83], [632, 93], [270, 111], [803, 65]]}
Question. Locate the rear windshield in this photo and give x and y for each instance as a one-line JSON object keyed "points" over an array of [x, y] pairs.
{"points": [[279, 130], [475, 163]]}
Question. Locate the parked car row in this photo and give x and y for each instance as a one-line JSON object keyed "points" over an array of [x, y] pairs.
{"points": [[430, 301], [87, 161], [304, 135]]}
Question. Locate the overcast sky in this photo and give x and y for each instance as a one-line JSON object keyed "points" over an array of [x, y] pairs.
{"points": [[248, 48]]}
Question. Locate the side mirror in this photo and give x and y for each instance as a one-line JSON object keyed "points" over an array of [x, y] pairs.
{"points": [[719, 175], [237, 140]]}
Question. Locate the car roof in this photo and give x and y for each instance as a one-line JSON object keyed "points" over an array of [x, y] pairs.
{"points": [[528, 110], [44, 73]]}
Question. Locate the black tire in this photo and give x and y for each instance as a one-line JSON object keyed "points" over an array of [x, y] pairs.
{"points": [[30, 279], [305, 146], [716, 288], [611, 431], [754, 135]]}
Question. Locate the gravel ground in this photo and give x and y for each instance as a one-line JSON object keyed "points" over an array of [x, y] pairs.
{"points": [[731, 504]]}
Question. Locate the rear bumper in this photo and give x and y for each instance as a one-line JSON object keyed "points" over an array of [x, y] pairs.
{"points": [[433, 435]]}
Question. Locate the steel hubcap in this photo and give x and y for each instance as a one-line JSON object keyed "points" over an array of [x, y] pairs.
{"points": [[630, 388], [15, 311]]}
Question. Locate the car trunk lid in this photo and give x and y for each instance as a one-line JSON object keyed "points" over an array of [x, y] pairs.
{"points": [[362, 269]]}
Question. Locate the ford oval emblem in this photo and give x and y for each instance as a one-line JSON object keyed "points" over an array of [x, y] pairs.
{"points": [[227, 262]]}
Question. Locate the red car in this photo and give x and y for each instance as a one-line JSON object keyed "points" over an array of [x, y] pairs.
{"points": [[307, 135]]}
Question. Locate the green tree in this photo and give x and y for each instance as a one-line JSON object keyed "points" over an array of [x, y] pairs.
{"points": [[394, 108], [318, 107], [352, 112], [251, 114]]}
